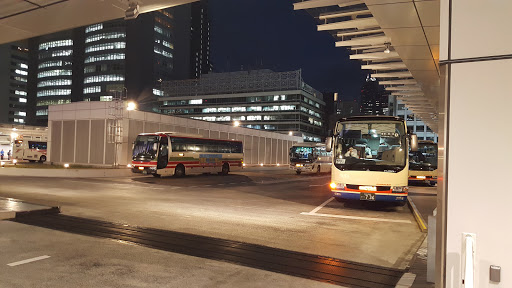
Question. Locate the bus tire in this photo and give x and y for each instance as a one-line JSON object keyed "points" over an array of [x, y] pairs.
{"points": [[179, 171], [298, 172], [42, 159], [225, 169]]}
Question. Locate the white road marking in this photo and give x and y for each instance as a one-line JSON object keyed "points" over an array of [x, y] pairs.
{"points": [[321, 206], [355, 217], [28, 260], [406, 281]]}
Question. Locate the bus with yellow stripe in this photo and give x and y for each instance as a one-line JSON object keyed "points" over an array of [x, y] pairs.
{"points": [[174, 154], [370, 159]]}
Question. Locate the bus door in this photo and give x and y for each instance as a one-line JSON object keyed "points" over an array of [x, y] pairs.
{"points": [[163, 153]]}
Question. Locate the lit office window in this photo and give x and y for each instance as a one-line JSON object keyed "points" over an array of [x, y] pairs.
{"points": [[103, 78], [223, 118], [23, 100], [105, 46], [21, 72], [253, 117], [196, 101], [238, 109], [158, 92], [54, 82], [18, 92], [110, 35], [254, 108], [56, 72], [53, 44], [53, 92], [162, 52], [23, 66], [209, 110], [22, 79], [42, 112], [162, 31], [57, 53], [209, 118], [287, 107], [20, 113], [317, 123], [92, 89], [94, 27], [50, 64], [53, 102], [167, 44], [104, 57], [224, 109], [106, 98], [268, 117]]}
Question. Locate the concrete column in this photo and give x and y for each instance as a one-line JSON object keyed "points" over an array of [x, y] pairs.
{"points": [[473, 197]]}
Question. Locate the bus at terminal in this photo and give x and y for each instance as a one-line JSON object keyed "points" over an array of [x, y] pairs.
{"points": [[310, 157], [169, 153], [423, 163], [31, 148], [370, 159]]}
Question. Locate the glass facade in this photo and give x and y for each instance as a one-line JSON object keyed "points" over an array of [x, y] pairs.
{"points": [[13, 92]]}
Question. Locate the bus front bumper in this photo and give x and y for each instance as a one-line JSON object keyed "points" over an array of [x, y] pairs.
{"points": [[144, 169], [378, 197]]}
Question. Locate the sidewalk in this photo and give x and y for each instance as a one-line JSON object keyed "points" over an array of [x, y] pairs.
{"points": [[66, 173]]}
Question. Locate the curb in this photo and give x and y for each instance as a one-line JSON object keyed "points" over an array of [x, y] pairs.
{"points": [[417, 215]]}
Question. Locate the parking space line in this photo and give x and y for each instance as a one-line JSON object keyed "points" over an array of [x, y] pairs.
{"points": [[28, 260], [321, 205], [355, 217]]}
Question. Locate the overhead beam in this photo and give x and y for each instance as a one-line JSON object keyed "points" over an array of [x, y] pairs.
{"points": [[404, 88], [359, 41], [353, 33], [344, 14], [318, 3], [356, 23], [374, 55], [399, 82], [392, 75], [384, 66]]}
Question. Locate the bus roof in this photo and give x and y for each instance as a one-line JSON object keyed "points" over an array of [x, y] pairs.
{"points": [[184, 135]]}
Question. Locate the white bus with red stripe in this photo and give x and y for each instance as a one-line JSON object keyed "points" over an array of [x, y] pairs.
{"points": [[31, 148], [370, 159], [169, 153]]}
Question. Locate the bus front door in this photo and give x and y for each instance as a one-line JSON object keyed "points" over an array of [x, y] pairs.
{"points": [[163, 154]]}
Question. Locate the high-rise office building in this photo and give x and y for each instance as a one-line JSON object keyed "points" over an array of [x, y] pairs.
{"points": [[13, 82], [116, 58], [257, 99], [374, 98], [200, 43]]}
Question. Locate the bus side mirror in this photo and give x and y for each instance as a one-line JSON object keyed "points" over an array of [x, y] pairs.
{"points": [[328, 144], [414, 142]]}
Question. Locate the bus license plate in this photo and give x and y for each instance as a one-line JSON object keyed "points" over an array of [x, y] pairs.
{"points": [[367, 196]]}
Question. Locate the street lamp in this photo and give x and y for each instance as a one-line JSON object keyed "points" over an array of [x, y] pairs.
{"points": [[290, 133], [236, 123], [131, 106]]}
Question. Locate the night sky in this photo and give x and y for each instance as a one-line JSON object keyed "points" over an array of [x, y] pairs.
{"points": [[254, 34]]}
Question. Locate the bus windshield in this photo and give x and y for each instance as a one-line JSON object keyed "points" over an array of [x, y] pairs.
{"points": [[425, 158], [145, 148], [301, 154], [370, 146]]}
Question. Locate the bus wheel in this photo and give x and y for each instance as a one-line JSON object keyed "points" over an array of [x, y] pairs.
{"points": [[179, 171], [298, 172], [42, 159], [225, 169]]}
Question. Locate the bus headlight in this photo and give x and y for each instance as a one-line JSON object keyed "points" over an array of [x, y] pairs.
{"points": [[337, 186], [141, 168], [298, 165], [400, 189]]}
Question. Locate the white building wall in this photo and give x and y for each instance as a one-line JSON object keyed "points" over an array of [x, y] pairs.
{"points": [[476, 57], [79, 134]]}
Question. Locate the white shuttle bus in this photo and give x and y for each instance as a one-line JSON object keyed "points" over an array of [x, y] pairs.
{"points": [[31, 148], [310, 157], [370, 159], [170, 153]]}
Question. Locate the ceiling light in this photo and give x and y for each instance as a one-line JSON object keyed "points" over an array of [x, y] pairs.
{"points": [[387, 48]]}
